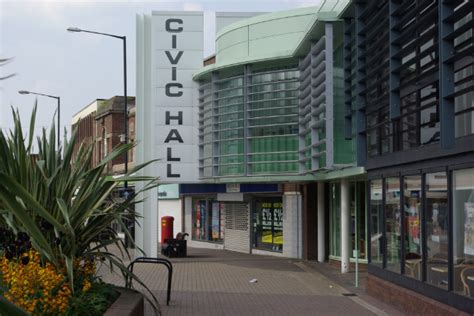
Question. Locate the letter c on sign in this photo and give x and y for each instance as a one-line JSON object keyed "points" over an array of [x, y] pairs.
{"points": [[176, 85], [170, 29]]}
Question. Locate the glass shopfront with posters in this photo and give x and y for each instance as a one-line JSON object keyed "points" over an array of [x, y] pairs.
{"points": [[268, 224], [432, 239], [208, 218], [358, 214]]}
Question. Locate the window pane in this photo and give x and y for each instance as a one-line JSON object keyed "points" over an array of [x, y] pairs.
{"points": [[412, 204], [199, 220], [437, 229], [372, 142], [215, 222], [429, 133], [268, 224], [464, 124], [463, 231], [392, 222], [208, 220], [357, 198], [376, 220]]}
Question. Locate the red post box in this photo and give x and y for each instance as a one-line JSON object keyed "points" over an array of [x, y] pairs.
{"points": [[166, 228]]}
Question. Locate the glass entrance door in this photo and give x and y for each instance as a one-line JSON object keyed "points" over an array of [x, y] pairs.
{"points": [[358, 219], [357, 202], [268, 224]]}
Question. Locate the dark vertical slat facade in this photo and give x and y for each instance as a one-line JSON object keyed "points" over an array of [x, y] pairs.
{"points": [[414, 92]]}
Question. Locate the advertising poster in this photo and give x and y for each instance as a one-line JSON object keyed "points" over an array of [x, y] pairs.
{"points": [[197, 221], [469, 228], [203, 218], [267, 235], [278, 223], [414, 227], [222, 208], [215, 221]]}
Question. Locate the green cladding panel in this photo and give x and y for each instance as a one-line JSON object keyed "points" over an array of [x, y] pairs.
{"points": [[343, 148], [273, 103]]}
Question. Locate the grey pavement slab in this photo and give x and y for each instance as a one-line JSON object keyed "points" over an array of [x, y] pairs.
{"points": [[216, 282]]}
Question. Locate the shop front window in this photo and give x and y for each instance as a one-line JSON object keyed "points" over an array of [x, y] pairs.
{"points": [[392, 220], [412, 207], [376, 222], [268, 224], [208, 220], [437, 228], [357, 202], [463, 231]]}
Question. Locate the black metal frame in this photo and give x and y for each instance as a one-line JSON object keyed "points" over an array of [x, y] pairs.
{"points": [[401, 180], [424, 249], [162, 261]]}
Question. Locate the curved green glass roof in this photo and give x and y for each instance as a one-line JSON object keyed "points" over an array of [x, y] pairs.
{"points": [[266, 37]]}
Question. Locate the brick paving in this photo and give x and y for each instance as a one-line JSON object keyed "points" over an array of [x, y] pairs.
{"points": [[216, 282]]}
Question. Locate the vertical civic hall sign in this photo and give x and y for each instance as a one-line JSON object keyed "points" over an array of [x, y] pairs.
{"points": [[169, 52], [175, 54], [179, 54]]}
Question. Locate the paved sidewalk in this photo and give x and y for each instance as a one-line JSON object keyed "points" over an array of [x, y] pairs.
{"points": [[216, 282]]}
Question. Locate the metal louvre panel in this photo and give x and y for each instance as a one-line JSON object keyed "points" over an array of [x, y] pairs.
{"points": [[205, 105], [316, 84], [349, 78], [463, 66], [373, 86]]}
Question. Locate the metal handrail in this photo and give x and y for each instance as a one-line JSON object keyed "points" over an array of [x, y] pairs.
{"points": [[162, 261]]}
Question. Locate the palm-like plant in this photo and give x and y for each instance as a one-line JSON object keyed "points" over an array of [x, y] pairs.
{"points": [[4, 61], [63, 202]]}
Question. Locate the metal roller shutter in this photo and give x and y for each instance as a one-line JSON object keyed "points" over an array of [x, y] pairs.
{"points": [[237, 232]]}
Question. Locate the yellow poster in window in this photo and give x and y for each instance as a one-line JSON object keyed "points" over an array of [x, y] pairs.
{"points": [[278, 238], [267, 236]]}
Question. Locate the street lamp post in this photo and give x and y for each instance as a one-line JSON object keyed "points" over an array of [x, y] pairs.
{"points": [[124, 39], [49, 96], [125, 109]]}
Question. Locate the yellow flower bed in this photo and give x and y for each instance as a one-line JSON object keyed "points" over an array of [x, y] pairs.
{"points": [[39, 287]]}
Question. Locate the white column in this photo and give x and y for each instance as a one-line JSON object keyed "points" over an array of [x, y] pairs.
{"points": [[146, 232], [188, 209], [345, 226], [292, 225], [321, 224]]}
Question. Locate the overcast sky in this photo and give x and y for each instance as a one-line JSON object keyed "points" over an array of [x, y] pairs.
{"points": [[81, 67]]}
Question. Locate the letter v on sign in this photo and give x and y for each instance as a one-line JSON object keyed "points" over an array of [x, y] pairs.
{"points": [[174, 60]]}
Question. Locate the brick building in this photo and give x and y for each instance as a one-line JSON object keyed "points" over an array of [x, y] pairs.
{"points": [[102, 121]]}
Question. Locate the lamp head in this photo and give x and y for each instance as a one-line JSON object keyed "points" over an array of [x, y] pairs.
{"points": [[74, 29], [23, 92]]}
